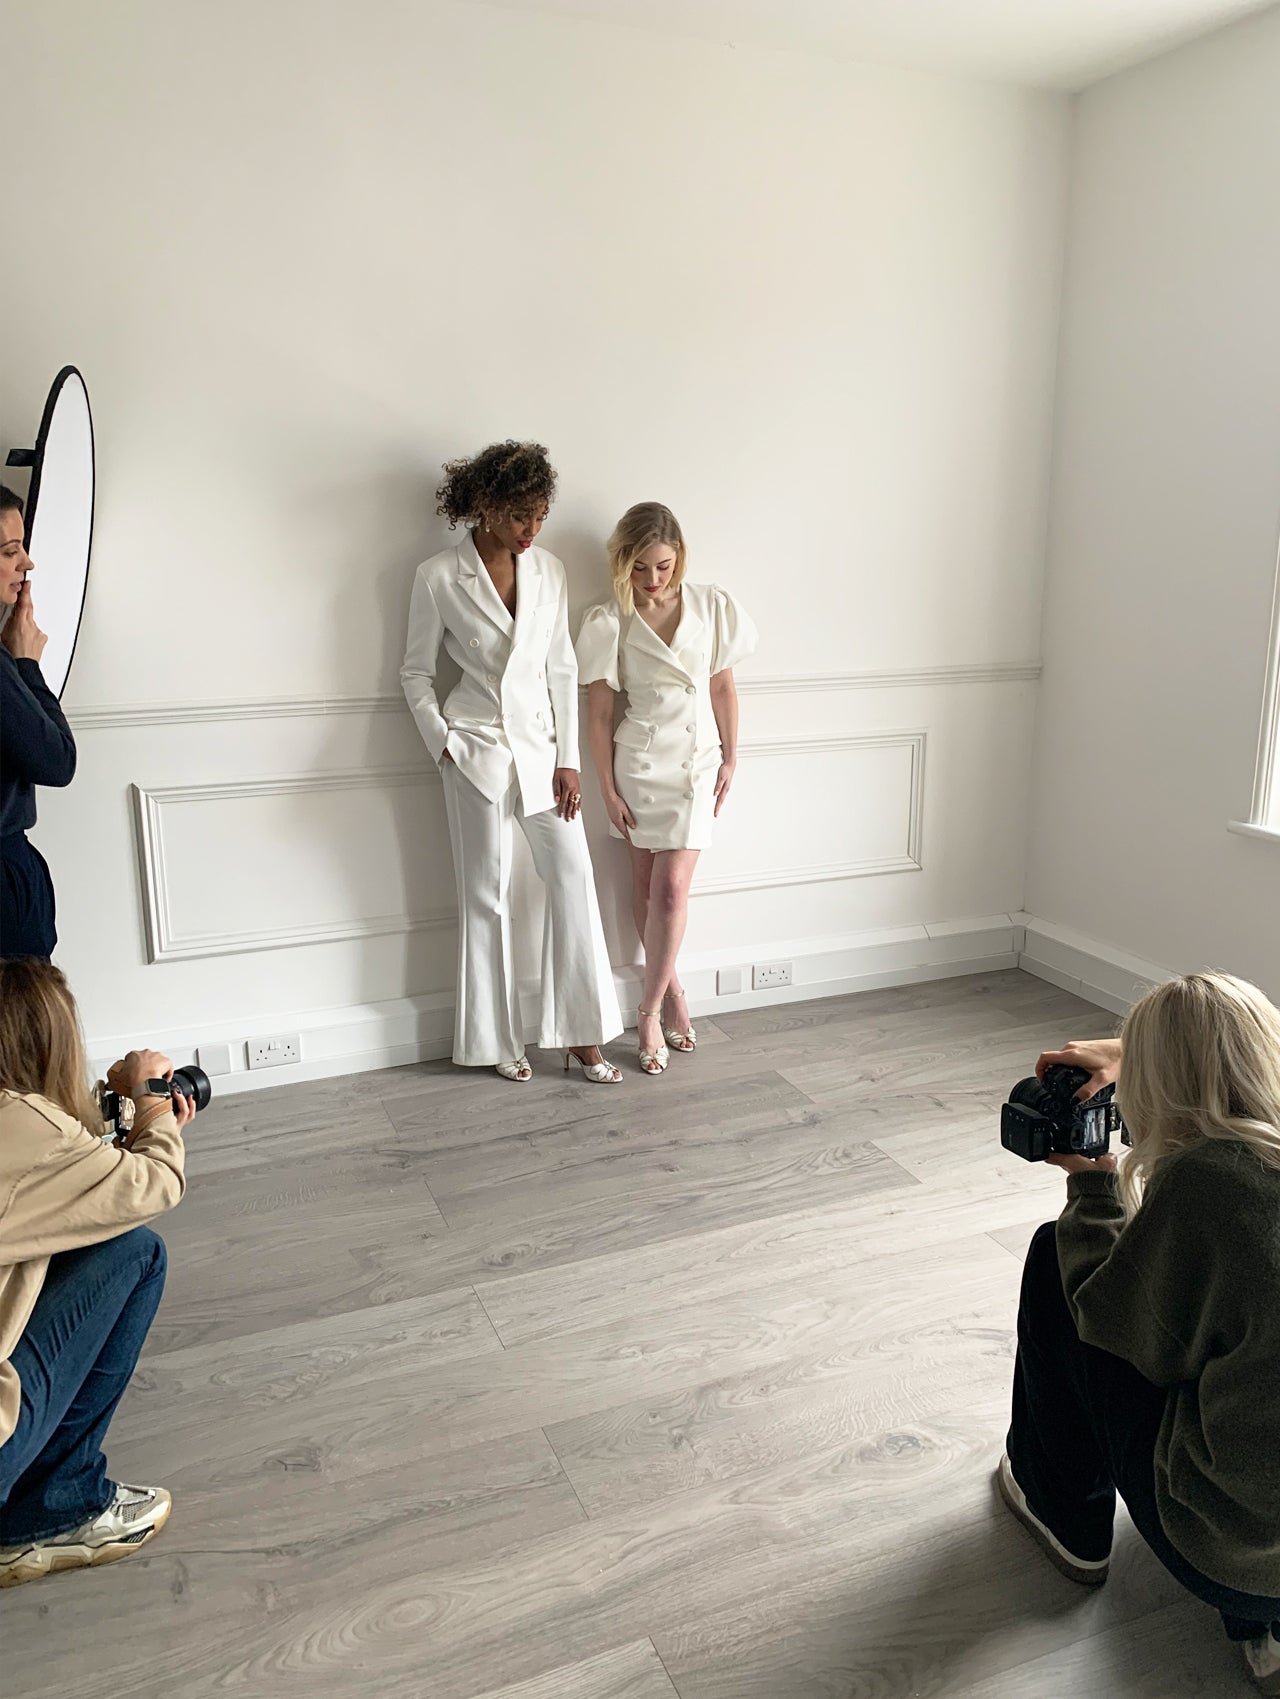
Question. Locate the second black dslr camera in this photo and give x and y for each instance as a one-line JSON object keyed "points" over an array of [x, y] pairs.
{"points": [[1045, 1118], [189, 1082]]}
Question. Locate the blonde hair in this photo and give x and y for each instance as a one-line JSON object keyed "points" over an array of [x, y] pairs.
{"points": [[1200, 1060], [41, 1050], [641, 526]]}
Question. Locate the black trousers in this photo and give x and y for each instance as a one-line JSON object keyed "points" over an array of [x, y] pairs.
{"points": [[1085, 1426], [26, 900]]}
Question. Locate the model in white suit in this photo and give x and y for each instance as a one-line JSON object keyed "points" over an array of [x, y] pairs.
{"points": [[502, 736], [670, 647]]}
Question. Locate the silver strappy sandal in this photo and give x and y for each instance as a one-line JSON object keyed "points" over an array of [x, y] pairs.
{"points": [[598, 1073], [653, 1061], [684, 1042]]}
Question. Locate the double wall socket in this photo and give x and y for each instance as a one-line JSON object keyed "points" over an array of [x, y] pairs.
{"points": [[275, 1052], [766, 975]]}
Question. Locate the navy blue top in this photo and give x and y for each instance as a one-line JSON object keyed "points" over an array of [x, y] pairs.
{"points": [[36, 745]]}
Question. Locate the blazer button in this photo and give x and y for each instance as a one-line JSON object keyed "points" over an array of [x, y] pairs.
{"points": [[688, 796], [691, 728], [475, 642], [689, 690], [646, 799], [493, 678], [686, 765]]}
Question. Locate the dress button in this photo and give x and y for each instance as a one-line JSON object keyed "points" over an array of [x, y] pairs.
{"points": [[688, 690], [686, 765], [690, 728], [646, 799], [475, 642], [688, 796], [493, 678]]}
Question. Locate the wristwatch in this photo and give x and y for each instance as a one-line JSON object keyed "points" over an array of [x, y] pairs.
{"points": [[154, 1088]]}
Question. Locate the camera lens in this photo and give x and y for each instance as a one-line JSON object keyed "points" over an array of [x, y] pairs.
{"points": [[1030, 1094], [193, 1082]]}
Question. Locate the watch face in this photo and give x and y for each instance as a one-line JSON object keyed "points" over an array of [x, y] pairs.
{"points": [[159, 1088]]}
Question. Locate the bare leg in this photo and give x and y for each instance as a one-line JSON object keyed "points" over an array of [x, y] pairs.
{"points": [[641, 874], [668, 915]]}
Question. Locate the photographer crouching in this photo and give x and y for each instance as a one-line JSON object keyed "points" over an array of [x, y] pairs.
{"points": [[80, 1277], [1149, 1323]]}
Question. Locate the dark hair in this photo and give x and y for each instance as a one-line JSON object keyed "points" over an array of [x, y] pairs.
{"points": [[10, 500], [506, 477]]}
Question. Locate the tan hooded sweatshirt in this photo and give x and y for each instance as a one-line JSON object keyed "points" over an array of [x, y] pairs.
{"points": [[61, 1188]]}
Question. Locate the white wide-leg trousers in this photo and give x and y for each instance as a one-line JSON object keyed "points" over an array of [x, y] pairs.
{"points": [[579, 1003]]}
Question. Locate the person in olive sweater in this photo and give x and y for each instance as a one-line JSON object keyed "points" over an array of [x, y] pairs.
{"points": [[1149, 1323], [36, 748]]}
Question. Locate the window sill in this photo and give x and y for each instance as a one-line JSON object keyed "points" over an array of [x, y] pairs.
{"points": [[1246, 829]]}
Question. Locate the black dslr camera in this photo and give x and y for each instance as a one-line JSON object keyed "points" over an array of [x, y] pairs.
{"points": [[189, 1082], [1045, 1118]]}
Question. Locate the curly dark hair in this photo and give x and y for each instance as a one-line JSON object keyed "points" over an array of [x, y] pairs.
{"points": [[506, 477]]}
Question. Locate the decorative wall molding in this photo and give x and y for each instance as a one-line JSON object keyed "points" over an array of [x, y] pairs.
{"points": [[111, 717], [820, 872], [166, 943], [116, 716], [893, 678]]}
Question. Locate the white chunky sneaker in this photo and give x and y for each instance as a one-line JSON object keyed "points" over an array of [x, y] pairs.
{"points": [[134, 1516], [1088, 1572], [1263, 1659]]}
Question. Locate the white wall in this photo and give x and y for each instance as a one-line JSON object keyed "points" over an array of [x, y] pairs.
{"points": [[1165, 513], [305, 252]]}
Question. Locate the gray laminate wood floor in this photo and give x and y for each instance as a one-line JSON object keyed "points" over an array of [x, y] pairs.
{"points": [[689, 1387]]}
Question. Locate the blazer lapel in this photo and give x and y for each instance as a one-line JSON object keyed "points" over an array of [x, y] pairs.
{"points": [[644, 637], [528, 590], [476, 582]]}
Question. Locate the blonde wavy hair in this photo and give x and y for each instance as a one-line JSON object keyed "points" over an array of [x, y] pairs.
{"points": [[1200, 1059], [641, 526], [41, 1050]]}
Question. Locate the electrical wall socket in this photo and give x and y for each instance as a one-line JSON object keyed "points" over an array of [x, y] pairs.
{"points": [[766, 975], [728, 982], [274, 1052]]}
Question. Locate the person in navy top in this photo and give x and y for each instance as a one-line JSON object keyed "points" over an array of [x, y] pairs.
{"points": [[36, 748]]}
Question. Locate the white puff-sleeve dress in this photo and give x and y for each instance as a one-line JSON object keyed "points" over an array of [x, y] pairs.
{"points": [[666, 751]]}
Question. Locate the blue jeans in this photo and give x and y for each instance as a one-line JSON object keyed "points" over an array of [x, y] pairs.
{"points": [[1085, 1426], [74, 1360]]}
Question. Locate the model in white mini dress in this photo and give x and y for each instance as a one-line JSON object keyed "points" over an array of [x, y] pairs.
{"points": [[669, 647]]}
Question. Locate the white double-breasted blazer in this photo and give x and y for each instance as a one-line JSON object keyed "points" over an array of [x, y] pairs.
{"points": [[516, 707]]}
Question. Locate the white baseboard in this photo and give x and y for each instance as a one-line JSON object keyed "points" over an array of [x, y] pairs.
{"points": [[1095, 971], [416, 1029]]}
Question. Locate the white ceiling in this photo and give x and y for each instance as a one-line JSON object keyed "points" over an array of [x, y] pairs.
{"points": [[1049, 43]]}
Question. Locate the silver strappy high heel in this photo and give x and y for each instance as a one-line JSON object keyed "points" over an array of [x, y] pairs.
{"points": [[684, 1042], [653, 1061], [598, 1073]]}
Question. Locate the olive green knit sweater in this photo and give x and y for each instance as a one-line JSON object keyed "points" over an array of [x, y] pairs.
{"points": [[1189, 1293]]}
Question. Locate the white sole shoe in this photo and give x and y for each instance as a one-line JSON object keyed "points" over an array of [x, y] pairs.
{"points": [[1263, 1659], [1082, 1570], [134, 1516]]}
